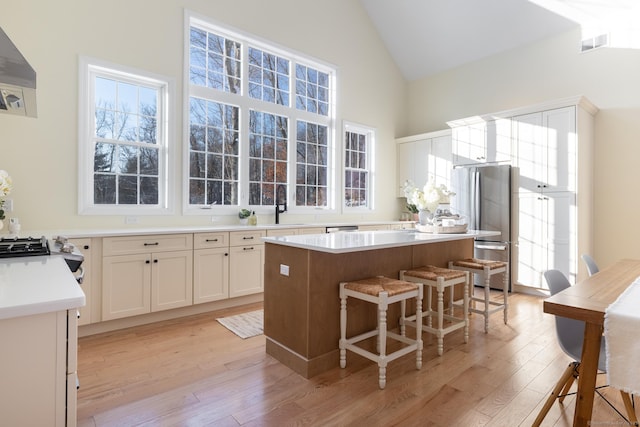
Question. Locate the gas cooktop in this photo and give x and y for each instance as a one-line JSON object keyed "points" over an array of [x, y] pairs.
{"points": [[23, 246]]}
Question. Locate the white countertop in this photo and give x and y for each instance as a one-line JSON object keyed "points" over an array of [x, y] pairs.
{"points": [[355, 241], [137, 230], [35, 285]]}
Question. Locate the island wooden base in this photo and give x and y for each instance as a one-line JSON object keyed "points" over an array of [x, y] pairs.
{"points": [[302, 310]]}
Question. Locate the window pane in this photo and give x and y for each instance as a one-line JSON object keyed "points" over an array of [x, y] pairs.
{"points": [[149, 161], [128, 159], [127, 190], [311, 87], [269, 77], [148, 190], [104, 189], [215, 63], [104, 158]]}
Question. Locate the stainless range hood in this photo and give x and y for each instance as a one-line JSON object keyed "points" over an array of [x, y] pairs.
{"points": [[17, 81]]}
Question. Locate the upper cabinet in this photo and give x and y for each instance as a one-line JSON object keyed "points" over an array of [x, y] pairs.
{"points": [[546, 148], [422, 156], [481, 140]]}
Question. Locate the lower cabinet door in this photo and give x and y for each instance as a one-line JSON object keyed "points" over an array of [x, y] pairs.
{"points": [[126, 285], [246, 270], [210, 275], [171, 280]]}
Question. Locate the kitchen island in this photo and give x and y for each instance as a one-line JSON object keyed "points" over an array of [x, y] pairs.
{"points": [[301, 278], [39, 298]]}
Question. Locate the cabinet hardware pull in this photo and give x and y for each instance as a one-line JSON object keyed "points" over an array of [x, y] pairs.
{"points": [[247, 238], [86, 246], [248, 249], [147, 262], [211, 240], [226, 254], [152, 244], [155, 261]]}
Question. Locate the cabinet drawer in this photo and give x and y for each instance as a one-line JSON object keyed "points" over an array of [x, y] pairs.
{"points": [[283, 232], [210, 240], [241, 238], [126, 245]]}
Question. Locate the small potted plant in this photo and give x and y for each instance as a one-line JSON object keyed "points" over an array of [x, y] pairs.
{"points": [[244, 216]]}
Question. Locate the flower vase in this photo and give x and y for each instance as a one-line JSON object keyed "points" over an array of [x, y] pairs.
{"points": [[425, 217]]}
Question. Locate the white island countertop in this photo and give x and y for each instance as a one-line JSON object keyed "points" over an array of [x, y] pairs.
{"points": [[355, 241], [35, 285]]}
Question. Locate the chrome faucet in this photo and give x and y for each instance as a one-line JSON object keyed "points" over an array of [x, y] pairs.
{"points": [[280, 188]]}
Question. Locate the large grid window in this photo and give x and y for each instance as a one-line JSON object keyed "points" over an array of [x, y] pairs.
{"points": [[242, 156], [357, 167], [124, 142]]}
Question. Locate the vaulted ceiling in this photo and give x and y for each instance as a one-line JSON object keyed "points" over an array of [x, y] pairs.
{"points": [[426, 37]]}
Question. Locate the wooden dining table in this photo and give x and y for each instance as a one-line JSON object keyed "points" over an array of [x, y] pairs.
{"points": [[588, 300]]}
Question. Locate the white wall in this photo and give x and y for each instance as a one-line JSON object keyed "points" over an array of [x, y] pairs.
{"points": [[547, 70], [41, 154]]}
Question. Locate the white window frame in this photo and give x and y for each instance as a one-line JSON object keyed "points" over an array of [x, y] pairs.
{"points": [[370, 134], [246, 104], [89, 69]]}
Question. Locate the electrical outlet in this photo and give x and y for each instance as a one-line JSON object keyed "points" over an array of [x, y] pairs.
{"points": [[284, 270], [131, 220], [8, 206]]}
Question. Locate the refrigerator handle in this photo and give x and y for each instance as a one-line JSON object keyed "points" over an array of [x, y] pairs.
{"points": [[490, 246], [476, 198]]}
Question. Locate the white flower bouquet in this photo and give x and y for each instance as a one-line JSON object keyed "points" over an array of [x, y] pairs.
{"points": [[429, 197], [6, 185]]}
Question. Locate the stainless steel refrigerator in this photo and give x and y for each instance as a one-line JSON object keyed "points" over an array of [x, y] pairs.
{"points": [[483, 195]]}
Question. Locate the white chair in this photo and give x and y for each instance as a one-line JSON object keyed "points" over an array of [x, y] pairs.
{"points": [[592, 267], [570, 334], [381, 291]]}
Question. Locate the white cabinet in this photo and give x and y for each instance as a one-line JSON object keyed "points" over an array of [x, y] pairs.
{"points": [[546, 145], [246, 262], [552, 196], [481, 140], [141, 274], [38, 370], [210, 267], [546, 230], [422, 156]]}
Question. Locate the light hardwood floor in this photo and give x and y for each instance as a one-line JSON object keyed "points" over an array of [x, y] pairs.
{"points": [[194, 372]]}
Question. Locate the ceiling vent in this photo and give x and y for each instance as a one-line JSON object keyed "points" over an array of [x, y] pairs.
{"points": [[591, 43]]}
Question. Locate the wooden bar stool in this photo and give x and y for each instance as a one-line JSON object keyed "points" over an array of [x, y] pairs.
{"points": [[486, 268], [440, 279], [381, 291]]}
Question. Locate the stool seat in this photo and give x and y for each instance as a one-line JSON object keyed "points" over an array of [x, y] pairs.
{"points": [[479, 264], [430, 272], [437, 278], [486, 268], [375, 285], [381, 291]]}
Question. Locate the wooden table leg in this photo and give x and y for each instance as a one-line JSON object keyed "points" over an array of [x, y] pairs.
{"points": [[588, 372]]}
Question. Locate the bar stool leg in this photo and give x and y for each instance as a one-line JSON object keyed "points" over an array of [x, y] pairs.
{"points": [[343, 328], [465, 307], [440, 335], [505, 293], [418, 327], [382, 336], [487, 298]]}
